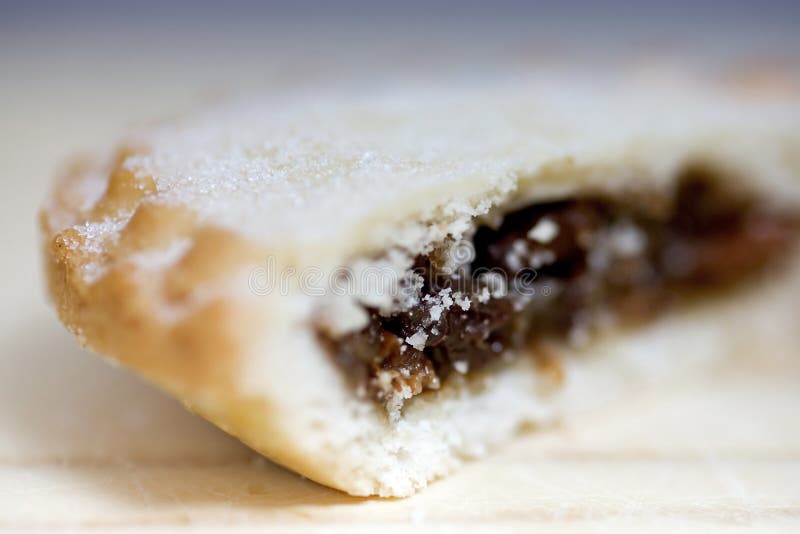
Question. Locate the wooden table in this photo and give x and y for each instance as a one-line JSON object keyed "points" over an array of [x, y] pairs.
{"points": [[85, 444]]}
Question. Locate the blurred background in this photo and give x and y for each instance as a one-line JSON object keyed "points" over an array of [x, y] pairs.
{"points": [[74, 75]]}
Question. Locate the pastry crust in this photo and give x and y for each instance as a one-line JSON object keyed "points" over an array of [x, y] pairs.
{"points": [[151, 255]]}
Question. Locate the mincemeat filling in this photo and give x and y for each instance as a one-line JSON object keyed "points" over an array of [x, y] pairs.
{"points": [[559, 271]]}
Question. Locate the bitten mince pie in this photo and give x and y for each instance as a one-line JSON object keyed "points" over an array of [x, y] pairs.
{"points": [[371, 286]]}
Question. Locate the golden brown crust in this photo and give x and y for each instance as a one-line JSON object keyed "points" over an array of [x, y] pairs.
{"points": [[116, 313]]}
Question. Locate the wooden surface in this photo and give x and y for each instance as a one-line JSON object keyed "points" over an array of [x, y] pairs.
{"points": [[83, 444]]}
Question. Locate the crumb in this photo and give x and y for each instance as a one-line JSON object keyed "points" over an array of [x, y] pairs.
{"points": [[544, 231], [417, 340]]}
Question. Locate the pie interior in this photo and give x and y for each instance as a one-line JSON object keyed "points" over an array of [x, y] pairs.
{"points": [[561, 271]]}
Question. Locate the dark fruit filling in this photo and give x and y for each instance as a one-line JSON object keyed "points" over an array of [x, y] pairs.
{"points": [[558, 271]]}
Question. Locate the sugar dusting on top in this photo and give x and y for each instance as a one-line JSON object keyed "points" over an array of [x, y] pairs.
{"points": [[306, 166], [94, 239], [363, 171], [289, 169]]}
